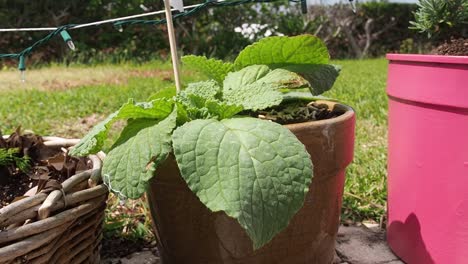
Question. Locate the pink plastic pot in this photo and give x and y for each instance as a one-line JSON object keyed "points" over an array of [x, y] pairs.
{"points": [[428, 158]]}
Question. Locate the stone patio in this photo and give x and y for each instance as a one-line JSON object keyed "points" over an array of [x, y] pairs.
{"points": [[355, 245], [362, 245]]}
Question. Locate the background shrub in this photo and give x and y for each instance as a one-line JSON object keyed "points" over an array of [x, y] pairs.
{"points": [[377, 28]]}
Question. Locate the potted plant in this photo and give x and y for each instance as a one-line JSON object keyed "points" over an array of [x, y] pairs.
{"points": [[428, 158], [51, 205], [225, 183]]}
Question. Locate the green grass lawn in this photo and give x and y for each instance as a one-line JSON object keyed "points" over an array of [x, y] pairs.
{"points": [[362, 86], [68, 101]]}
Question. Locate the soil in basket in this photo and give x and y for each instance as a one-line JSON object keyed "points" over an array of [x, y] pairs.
{"points": [[297, 112], [29, 163]]}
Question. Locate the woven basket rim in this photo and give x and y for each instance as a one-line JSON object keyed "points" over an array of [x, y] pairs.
{"points": [[92, 175], [82, 195]]}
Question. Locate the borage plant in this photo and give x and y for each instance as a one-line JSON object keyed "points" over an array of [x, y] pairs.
{"points": [[254, 170]]}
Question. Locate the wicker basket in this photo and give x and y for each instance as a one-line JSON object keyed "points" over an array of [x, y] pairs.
{"points": [[63, 226]]}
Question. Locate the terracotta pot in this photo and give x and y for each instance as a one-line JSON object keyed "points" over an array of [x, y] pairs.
{"points": [[428, 158], [188, 232]]}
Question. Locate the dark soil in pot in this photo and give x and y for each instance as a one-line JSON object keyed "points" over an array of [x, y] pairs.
{"points": [[455, 47], [298, 112], [25, 162]]}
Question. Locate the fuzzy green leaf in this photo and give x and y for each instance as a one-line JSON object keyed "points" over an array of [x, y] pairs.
{"points": [[93, 142], [256, 171], [254, 96], [214, 69], [221, 110], [303, 96], [156, 109], [277, 52], [283, 78], [252, 87], [278, 78], [198, 107], [207, 90], [246, 76], [305, 55], [321, 77], [200, 101], [142, 146], [167, 93]]}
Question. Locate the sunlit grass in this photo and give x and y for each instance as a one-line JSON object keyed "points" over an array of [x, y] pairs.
{"points": [[362, 85]]}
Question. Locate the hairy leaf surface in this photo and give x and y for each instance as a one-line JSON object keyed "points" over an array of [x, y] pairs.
{"points": [[198, 107], [196, 93], [207, 89], [278, 78], [277, 52], [93, 142], [142, 146], [321, 77], [167, 93], [214, 69], [305, 55], [253, 96], [254, 87], [222, 110], [256, 171]]}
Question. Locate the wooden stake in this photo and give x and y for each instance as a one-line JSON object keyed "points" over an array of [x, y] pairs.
{"points": [[173, 44]]}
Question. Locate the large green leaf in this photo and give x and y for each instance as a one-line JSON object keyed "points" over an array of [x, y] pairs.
{"points": [[156, 109], [93, 142], [167, 93], [206, 90], [256, 171], [246, 76], [131, 163], [201, 101], [277, 52], [214, 69], [305, 55], [197, 107], [255, 87], [222, 110], [303, 96], [278, 78], [254, 96], [321, 77]]}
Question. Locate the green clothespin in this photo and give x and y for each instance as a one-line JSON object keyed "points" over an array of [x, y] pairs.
{"points": [[67, 38], [22, 68]]}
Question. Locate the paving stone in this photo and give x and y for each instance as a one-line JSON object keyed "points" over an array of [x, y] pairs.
{"points": [[336, 259], [360, 245], [143, 257], [354, 245]]}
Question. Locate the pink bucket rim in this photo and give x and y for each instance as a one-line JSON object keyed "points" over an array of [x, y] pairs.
{"points": [[428, 58]]}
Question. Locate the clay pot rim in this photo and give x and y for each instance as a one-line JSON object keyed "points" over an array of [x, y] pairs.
{"points": [[348, 114]]}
